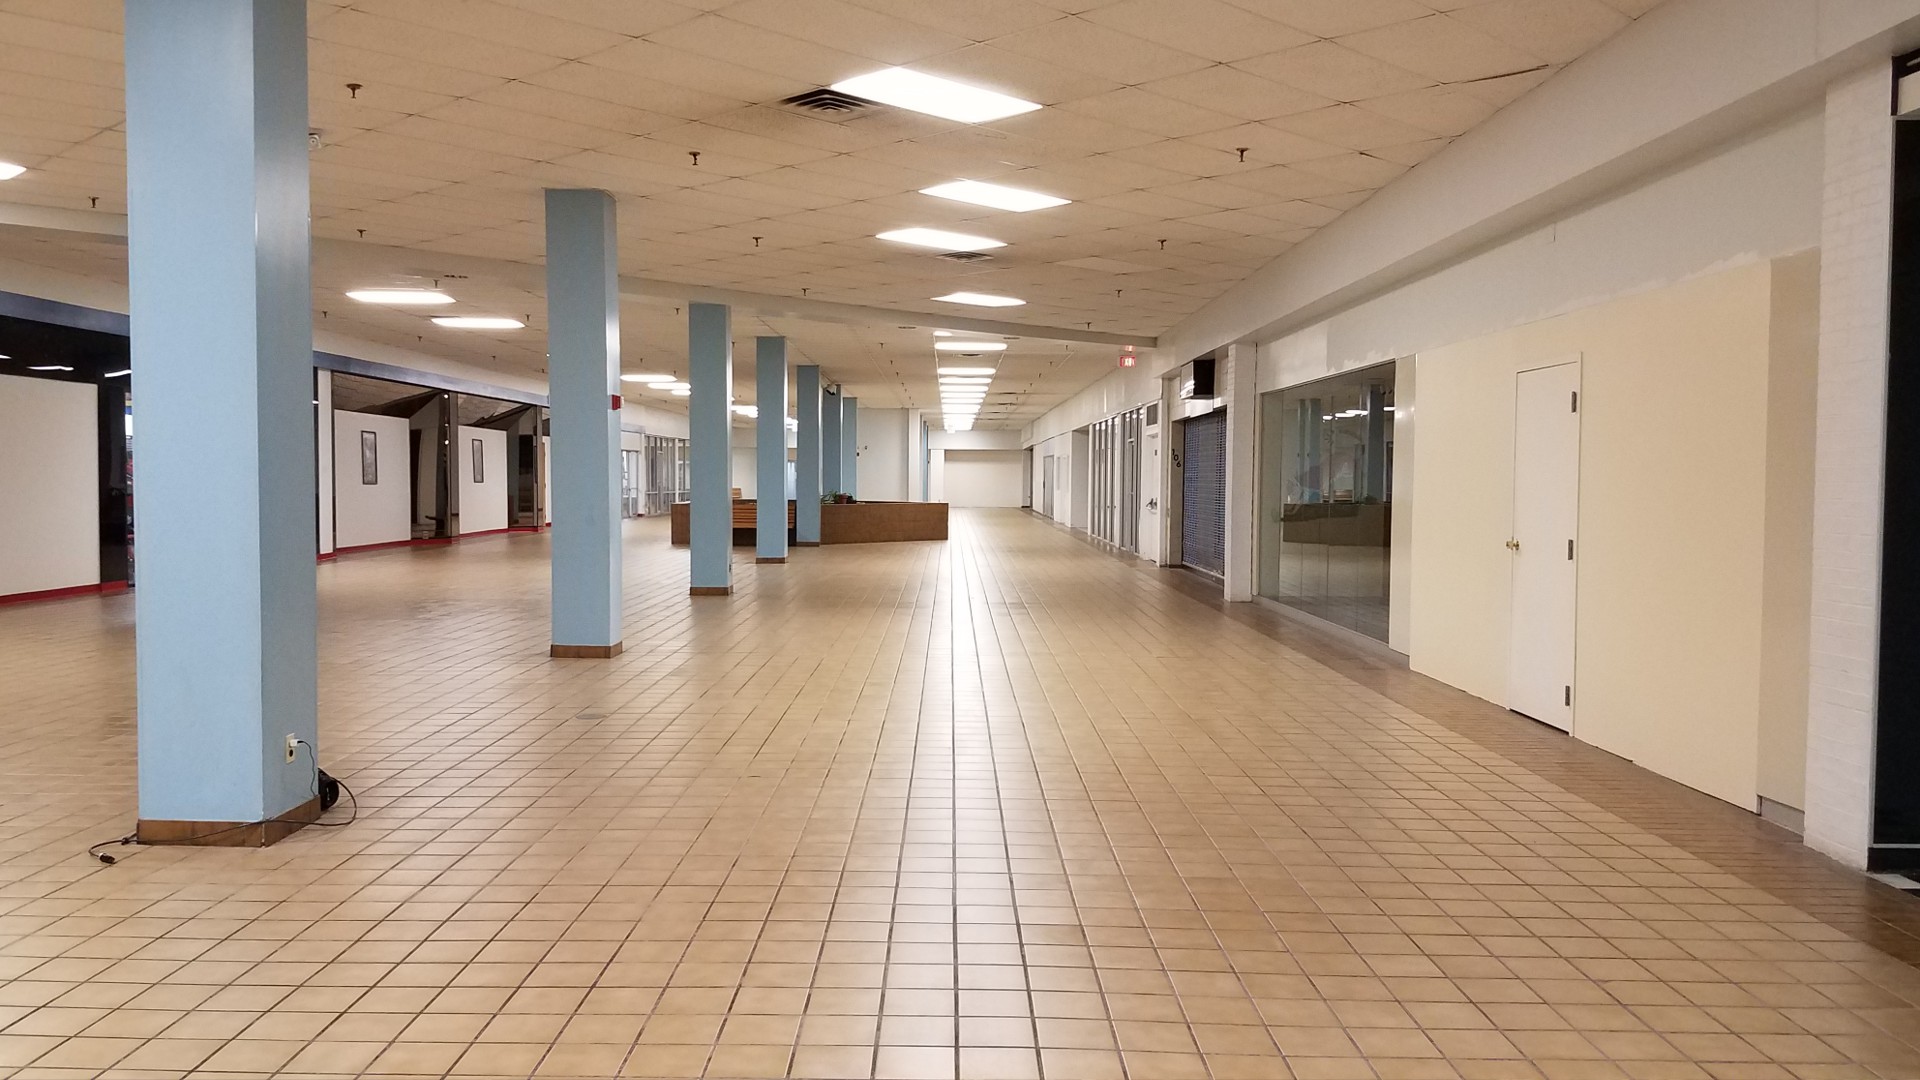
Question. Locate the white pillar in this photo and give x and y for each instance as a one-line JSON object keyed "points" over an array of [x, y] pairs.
{"points": [[1849, 468]]}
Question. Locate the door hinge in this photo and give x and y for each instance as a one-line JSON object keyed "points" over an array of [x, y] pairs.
{"points": [[1569, 551], [1569, 697], [1576, 402]]}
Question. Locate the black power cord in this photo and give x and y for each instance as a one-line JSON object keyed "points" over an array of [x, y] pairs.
{"points": [[326, 788]]}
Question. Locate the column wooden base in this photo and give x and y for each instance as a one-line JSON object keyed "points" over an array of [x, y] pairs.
{"points": [[710, 590], [587, 652], [765, 559], [227, 833], [806, 543]]}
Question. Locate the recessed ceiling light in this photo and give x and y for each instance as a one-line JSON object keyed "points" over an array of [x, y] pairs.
{"points": [[477, 322], [994, 195], [399, 296], [648, 377], [675, 384], [117, 374], [979, 299], [944, 370], [8, 170], [970, 346], [49, 367], [963, 380], [904, 88], [941, 240], [681, 392]]}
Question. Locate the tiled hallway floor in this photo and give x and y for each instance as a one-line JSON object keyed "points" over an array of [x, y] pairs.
{"points": [[1000, 808]]}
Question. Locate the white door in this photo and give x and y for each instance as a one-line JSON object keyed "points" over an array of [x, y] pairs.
{"points": [[1546, 517]]}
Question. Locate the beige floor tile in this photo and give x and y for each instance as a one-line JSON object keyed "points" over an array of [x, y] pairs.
{"points": [[998, 808]]}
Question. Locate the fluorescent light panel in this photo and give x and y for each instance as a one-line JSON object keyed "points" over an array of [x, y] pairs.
{"points": [[677, 392], [904, 88], [648, 377], [970, 346], [964, 380], [477, 322], [945, 370], [979, 299], [8, 170], [399, 296], [996, 196], [941, 239]]}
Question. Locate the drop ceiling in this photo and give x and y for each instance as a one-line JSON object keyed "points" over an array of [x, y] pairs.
{"points": [[1198, 140]]}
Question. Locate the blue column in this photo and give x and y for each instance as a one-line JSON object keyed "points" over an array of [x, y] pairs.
{"points": [[831, 443], [583, 374], [850, 450], [770, 449], [710, 418], [806, 466], [222, 340]]}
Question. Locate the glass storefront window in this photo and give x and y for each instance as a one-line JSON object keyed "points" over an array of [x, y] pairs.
{"points": [[1326, 498]]}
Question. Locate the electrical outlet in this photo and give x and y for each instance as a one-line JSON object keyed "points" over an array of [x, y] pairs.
{"points": [[293, 747]]}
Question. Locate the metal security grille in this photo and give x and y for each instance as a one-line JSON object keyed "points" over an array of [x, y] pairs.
{"points": [[1203, 494]]}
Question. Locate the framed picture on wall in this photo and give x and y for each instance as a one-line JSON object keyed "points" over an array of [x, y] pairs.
{"points": [[479, 462], [369, 457]]}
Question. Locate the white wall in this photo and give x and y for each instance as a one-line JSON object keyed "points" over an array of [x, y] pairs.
{"points": [[378, 513], [49, 484], [323, 455], [885, 444], [980, 477], [745, 469], [483, 502], [426, 487]]}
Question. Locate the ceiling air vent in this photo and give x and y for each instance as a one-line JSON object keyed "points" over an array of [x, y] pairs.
{"points": [[965, 256], [827, 104]]}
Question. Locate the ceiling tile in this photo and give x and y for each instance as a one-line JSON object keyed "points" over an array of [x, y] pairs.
{"points": [[1237, 93], [1212, 29], [1085, 46], [1443, 48]]}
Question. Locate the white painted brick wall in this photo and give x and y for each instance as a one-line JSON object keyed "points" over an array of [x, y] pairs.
{"points": [[1848, 468]]}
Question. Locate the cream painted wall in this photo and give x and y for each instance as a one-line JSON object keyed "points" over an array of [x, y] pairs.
{"points": [[981, 477], [50, 485], [1787, 596], [381, 512], [885, 443], [1677, 428]]}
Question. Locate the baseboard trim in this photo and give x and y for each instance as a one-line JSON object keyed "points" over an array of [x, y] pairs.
{"points": [[770, 559], [103, 588], [710, 590], [163, 831], [587, 652], [806, 543], [1790, 818]]}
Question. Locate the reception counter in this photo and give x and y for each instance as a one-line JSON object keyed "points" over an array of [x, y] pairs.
{"points": [[840, 523]]}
